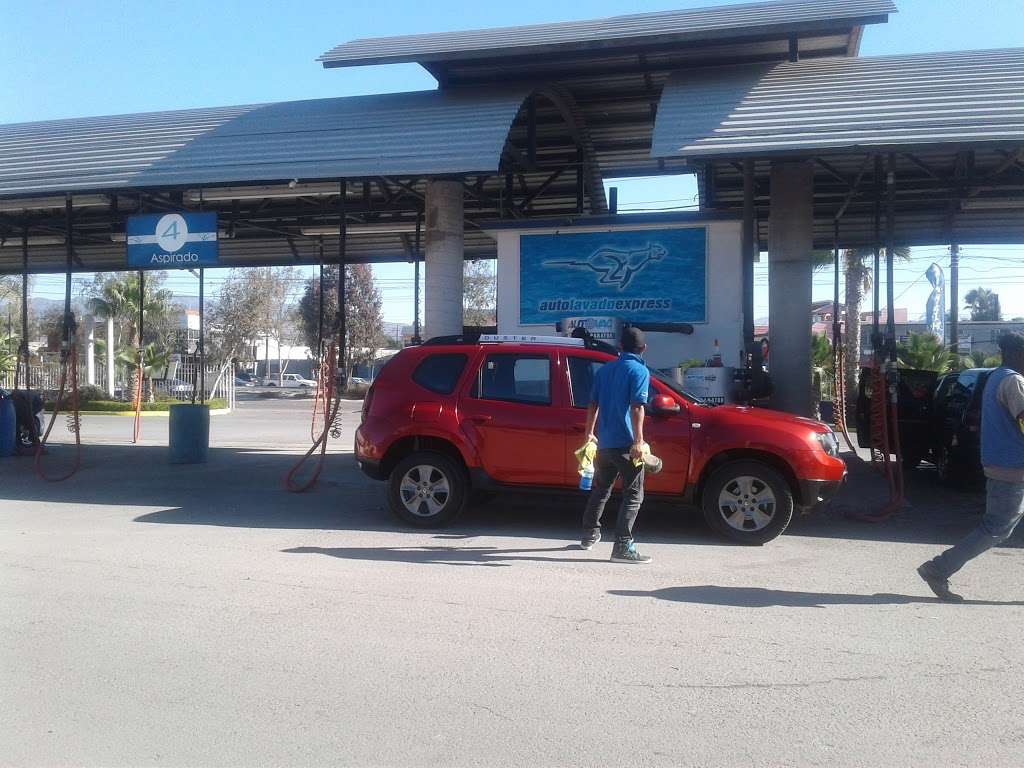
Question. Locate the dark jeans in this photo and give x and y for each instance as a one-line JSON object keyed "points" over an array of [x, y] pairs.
{"points": [[608, 465], [1004, 509]]}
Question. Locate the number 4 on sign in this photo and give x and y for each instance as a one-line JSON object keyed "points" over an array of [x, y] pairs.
{"points": [[171, 231]]}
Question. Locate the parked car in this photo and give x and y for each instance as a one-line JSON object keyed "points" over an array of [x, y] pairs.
{"points": [[251, 379], [956, 425], [173, 386], [447, 418], [291, 380]]}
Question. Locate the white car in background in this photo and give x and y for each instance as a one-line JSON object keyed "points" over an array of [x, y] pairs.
{"points": [[292, 380]]}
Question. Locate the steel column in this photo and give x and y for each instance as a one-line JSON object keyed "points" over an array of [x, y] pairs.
{"points": [[202, 332], [748, 253], [954, 298], [342, 309], [416, 280], [890, 246]]}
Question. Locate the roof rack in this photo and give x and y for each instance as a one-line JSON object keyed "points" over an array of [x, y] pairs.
{"points": [[505, 338]]}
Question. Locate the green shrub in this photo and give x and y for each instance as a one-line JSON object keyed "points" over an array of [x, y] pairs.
{"points": [[89, 393]]}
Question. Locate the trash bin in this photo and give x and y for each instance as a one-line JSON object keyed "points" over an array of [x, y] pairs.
{"points": [[8, 424], [189, 433]]}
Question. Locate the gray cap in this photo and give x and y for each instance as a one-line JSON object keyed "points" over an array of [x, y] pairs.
{"points": [[1011, 342]]}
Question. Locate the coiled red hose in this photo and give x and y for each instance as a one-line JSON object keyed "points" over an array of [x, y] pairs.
{"points": [[69, 369]]}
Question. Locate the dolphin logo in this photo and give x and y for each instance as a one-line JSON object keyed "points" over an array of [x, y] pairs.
{"points": [[616, 266]]}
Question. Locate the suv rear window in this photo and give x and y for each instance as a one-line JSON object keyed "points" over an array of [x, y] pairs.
{"points": [[581, 379], [515, 379], [440, 373]]}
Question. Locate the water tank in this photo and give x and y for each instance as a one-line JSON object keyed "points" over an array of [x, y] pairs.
{"points": [[8, 424]]}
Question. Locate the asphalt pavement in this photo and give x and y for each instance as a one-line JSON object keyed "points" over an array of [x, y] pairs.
{"points": [[203, 616]]}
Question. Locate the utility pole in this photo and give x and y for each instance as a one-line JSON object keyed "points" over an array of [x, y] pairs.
{"points": [[954, 298]]}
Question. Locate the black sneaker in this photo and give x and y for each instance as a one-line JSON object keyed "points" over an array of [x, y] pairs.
{"points": [[590, 540], [938, 583], [626, 552]]}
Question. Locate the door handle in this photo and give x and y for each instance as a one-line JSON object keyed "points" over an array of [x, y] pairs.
{"points": [[480, 419], [576, 429]]}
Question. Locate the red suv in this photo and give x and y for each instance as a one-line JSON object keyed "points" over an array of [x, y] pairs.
{"points": [[449, 417]]}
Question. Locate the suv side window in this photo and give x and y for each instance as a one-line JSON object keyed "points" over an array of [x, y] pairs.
{"points": [[581, 379], [440, 373], [515, 378]]}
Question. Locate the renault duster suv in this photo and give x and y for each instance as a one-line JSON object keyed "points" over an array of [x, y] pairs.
{"points": [[450, 417]]}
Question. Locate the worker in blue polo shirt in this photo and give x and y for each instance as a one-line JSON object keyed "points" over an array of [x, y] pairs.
{"points": [[1002, 457], [615, 419]]}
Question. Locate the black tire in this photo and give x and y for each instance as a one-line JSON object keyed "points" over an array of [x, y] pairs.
{"points": [[765, 482], [438, 471]]}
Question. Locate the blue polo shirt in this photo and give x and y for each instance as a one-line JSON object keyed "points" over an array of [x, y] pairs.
{"points": [[617, 386]]}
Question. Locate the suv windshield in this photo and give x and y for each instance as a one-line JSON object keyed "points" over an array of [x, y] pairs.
{"points": [[675, 387]]}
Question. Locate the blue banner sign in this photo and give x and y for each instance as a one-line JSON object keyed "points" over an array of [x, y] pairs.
{"points": [[172, 241], [649, 275]]}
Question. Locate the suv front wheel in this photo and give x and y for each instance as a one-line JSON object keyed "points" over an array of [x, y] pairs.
{"points": [[748, 502], [427, 489]]}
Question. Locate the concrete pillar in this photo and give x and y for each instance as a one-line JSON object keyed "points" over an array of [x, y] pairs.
{"points": [[443, 259], [90, 350], [111, 378], [790, 269]]}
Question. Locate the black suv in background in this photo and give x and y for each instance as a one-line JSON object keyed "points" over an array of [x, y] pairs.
{"points": [[939, 420], [956, 425]]}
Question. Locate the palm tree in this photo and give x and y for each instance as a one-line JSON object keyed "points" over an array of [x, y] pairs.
{"points": [[118, 298], [857, 271], [154, 361], [984, 304], [924, 352]]}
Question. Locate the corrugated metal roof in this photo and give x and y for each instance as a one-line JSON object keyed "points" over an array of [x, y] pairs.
{"points": [[427, 132], [694, 24], [843, 104]]}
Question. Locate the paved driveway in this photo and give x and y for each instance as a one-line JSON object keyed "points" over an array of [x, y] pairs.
{"points": [[202, 615]]}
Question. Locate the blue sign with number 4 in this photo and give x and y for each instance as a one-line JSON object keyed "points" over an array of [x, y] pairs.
{"points": [[172, 241]]}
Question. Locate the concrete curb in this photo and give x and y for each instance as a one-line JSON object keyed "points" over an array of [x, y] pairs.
{"points": [[213, 412]]}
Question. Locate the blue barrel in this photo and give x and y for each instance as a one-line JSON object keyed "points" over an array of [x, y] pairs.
{"points": [[8, 424], [189, 433]]}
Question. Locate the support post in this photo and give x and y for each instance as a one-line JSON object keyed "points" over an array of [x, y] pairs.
{"points": [[202, 329], [890, 246], [342, 309], [69, 248], [791, 241], [613, 200], [836, 322], [320, 308], [417, 255], [748, 254], [444, 258], [876, 277], [23, 347], [954, 298]]}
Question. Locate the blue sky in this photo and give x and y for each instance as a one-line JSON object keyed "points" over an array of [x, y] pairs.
{"points": [[74, 59]]}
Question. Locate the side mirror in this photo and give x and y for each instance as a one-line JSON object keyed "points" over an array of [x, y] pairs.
{"points": [[664, 405]]}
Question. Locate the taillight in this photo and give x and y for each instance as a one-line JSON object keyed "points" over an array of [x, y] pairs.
{"points": [[367, 401]]}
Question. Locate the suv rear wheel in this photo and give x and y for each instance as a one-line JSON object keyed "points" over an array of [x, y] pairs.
{"points": [[427, 489], [748, 502]]}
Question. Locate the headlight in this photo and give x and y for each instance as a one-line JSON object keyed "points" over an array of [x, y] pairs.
{"points": [[829, 442]]}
